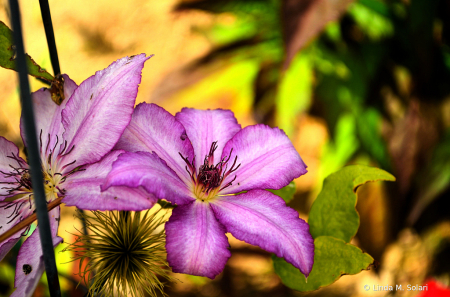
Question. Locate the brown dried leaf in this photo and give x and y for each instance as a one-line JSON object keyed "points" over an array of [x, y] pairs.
{"points": [[411, 142], [305, 19], [57, 89]]}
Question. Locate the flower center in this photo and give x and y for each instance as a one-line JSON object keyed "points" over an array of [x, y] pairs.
{"points": [[19, 190], [208, 181]]}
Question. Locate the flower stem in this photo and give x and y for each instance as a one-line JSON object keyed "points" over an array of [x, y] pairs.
{"points": [[47, 20], [27, 221], [37, 179]]}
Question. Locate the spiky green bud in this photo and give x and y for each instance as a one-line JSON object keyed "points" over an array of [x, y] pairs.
{"points": [[124, 252]]}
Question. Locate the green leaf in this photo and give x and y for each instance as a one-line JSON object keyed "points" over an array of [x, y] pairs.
{"points": [[333, 212], [294, 92], [332, 259], [336, 153], [287, 193], [225, 33], [368, 125], [255, 7], [7, 56], [375, 25]]}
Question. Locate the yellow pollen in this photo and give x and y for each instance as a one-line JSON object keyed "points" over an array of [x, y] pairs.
{"points": [[50, 184], [200, 194]]}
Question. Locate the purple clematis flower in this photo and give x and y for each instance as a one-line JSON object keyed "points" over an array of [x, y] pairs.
{"points": [[75, 139], [216, 173]]}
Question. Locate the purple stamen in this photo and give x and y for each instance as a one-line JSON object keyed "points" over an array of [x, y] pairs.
{"points": [[48, 143], [228, 184], [191, 170], [71, 149], [210, 176], [15, 207], [65, 146], [57, 140], [68, 164], [13, 218], [40, 141]]}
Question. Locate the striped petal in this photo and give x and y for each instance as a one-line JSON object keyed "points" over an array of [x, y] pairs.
{"points": [[152, 129], [84, 189], [49, 126], [30, 261], [267, 159], [203, 127], [7, 151], [99, 111], [261, 218], [195, 241], [11, 213], [151, 172]]}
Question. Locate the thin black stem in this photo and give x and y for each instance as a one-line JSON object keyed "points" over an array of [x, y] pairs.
{"points": [[47, 19], [33, 155], [85, 231], [83, 221], [46, 82]]}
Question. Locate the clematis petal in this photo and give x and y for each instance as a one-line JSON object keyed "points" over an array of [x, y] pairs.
{"points": [[83, 189], [7, 150], [48, 116], [195, 241], [8, 244], [30, 262], [10, 215], [267, 157], [151, 172], [261, 218], [203, 127], [152, 129], [99, 110]]}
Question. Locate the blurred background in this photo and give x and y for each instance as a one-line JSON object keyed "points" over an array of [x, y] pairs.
{"points": [[350, 82]]}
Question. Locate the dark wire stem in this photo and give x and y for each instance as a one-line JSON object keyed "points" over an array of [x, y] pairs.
{"points": [[46, 82], [85, 231], [48, 26], [33, 155], [83, 221]]}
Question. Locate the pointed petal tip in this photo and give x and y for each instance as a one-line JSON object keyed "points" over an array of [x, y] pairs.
{"points": [[261, 218], [203, 127], [142, 56], [267, 158], [102, 105]]}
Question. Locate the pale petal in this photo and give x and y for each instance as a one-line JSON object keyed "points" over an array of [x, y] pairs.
{"points": [[47, 113], [203, 127], [83, 189], [10, 215], [30, 256], [195, 241], [8, 150], [261, 218], [151, 172], [100, 109], [267, 159], [152, 129]]}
